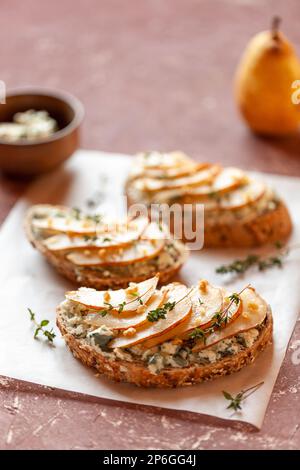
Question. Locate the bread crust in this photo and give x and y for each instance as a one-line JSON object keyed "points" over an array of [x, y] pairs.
{"points": [[138, 373], [267, 228], [89, 278]]}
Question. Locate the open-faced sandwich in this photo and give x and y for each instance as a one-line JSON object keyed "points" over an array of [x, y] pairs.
{"points": [[239, 210], [170, 337], [96, 253]]}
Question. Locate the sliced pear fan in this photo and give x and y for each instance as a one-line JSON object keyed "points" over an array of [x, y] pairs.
{"points": [[202, 313], [98, 300], [203, 176], [254, 310], [115, 321], [120, 235], [141, 251], [178, 294]]}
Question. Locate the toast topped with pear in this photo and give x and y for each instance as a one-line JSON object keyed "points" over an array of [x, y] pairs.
{"points": [[168, 337], [100, 253], [239, 210]]}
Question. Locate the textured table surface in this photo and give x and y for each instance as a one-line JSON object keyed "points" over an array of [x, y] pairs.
{"points": [[151, 74]]}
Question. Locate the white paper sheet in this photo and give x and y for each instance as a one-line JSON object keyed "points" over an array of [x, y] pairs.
{"points": [[26, 280]]}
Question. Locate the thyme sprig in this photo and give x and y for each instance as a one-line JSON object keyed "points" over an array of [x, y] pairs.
{"points": [[120, 307], [49, 334], [240, 266], [219, 319], [160, 312], [236, 401]]}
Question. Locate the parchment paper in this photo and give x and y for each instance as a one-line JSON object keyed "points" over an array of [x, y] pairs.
{"points": [[26, 280]]}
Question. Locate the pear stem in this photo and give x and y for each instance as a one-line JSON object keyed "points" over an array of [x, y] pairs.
{"points": [[275, 27]]}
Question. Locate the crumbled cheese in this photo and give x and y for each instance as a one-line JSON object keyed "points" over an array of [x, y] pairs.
{"points": [[169, 347], [28, 125], [250, 336], [156, 364], [123, 355], [208, 354], [141, 309], [132, 289]]}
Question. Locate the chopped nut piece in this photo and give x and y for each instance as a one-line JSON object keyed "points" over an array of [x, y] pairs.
{"points": [[132, 289], [141, 309], [252, 306], [203, 285], [177, 341], [129, 332]]}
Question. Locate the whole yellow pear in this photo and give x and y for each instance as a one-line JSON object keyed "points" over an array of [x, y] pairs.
{"points": [[263, 83]]}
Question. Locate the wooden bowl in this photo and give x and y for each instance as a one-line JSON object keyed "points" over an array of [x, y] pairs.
{"points": [[29, 158]]}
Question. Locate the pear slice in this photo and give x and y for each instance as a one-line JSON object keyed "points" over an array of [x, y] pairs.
{"points": [[57, 219], [244, 196], [205, 305], [122, 235], [176, 293], [100, 300], [169, 173], [204, 176], [254, 310], [120, 322], [155, 231], [140, 251], [228, 179]]}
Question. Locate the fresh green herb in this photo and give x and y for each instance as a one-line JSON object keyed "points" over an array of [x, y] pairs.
{"points": [[198, 333], [214, 195], [49, 334], [200, 301], [107, 239], [160, 312], [105, 311], [235, 298], [236, 402], [138, 297], [121, 307], [90, 238], [60, 214], [97, 218], [240, 266], [76, 213]]}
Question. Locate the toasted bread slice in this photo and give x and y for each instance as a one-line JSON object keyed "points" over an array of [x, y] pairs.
{"points": [[133, 260], [173, 359], [239, 211]]}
